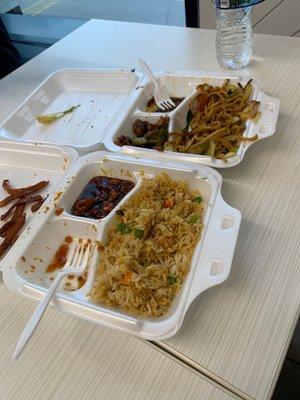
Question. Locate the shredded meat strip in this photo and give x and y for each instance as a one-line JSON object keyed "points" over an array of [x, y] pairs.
{"points": [[30, 199], [17, 214], [36, 206], [21, 192], [12, 234]]}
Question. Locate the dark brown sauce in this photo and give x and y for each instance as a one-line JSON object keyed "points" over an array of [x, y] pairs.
{"points": [[100, 196]]}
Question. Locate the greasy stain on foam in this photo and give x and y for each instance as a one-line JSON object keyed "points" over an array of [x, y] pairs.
{"points": [[57, 196]]}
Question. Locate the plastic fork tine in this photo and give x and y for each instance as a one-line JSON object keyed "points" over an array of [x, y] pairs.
{"points": [[161, 97], [86, 255], [172, 102], [166, 105], [162, 106], [70, 256], [83, 255], [77, 255]]}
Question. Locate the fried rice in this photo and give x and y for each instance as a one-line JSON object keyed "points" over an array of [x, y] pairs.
{"points": [[149, 247]]}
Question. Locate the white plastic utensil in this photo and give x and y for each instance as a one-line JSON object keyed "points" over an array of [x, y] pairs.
{"points": [[161, 97], [76, 264]]}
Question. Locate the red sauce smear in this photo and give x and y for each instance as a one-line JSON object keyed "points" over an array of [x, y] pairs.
{"points": [[100, 196], [60, 257]]}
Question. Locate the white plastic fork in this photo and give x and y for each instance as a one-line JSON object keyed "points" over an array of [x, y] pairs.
{"points": [[161, 97], [75, 265]]}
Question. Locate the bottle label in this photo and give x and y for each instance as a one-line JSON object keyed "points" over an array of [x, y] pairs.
{"points": [[231, 4]]}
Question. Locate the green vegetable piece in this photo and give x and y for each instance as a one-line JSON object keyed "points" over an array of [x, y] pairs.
{"points": [[48, 118], [211, 148], [172, 279], [139, 141], [123, 228], [198, 199], [138, 233], [195, 218]]}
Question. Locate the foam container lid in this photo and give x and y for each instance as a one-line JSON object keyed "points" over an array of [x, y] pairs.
{"points": [[101, 94]]}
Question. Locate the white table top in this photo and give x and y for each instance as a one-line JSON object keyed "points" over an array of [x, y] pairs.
{"points": [[236, 333], [69, 359]]}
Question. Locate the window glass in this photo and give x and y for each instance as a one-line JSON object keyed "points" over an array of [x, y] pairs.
{"points": [[163, 12]]}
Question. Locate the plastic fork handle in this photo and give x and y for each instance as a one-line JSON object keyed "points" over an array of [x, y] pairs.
{"points": [[148, 71], [36, 317]]}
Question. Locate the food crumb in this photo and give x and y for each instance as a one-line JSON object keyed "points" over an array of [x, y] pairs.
{"points": [[46, 209], [81, 281], [68, 239], [59, 210], [38, 259], [100, 245], [57, 196], [51, 278], [23, 258]]}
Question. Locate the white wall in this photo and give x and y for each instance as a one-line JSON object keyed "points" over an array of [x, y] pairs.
{"points": [[275, 17]]}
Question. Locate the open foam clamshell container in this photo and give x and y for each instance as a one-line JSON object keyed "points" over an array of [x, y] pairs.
{"points": [[111, 100], [184, 84], [25, 164], [211, 260], [101, 94]]}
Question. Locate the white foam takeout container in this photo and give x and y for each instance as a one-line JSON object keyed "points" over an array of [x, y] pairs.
{"points": [[101, 94], [26, 164], [211, 260], [111, 100], [183, 84]]}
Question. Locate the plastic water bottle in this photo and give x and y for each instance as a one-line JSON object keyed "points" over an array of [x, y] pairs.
{"points": [[234, 37]]}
